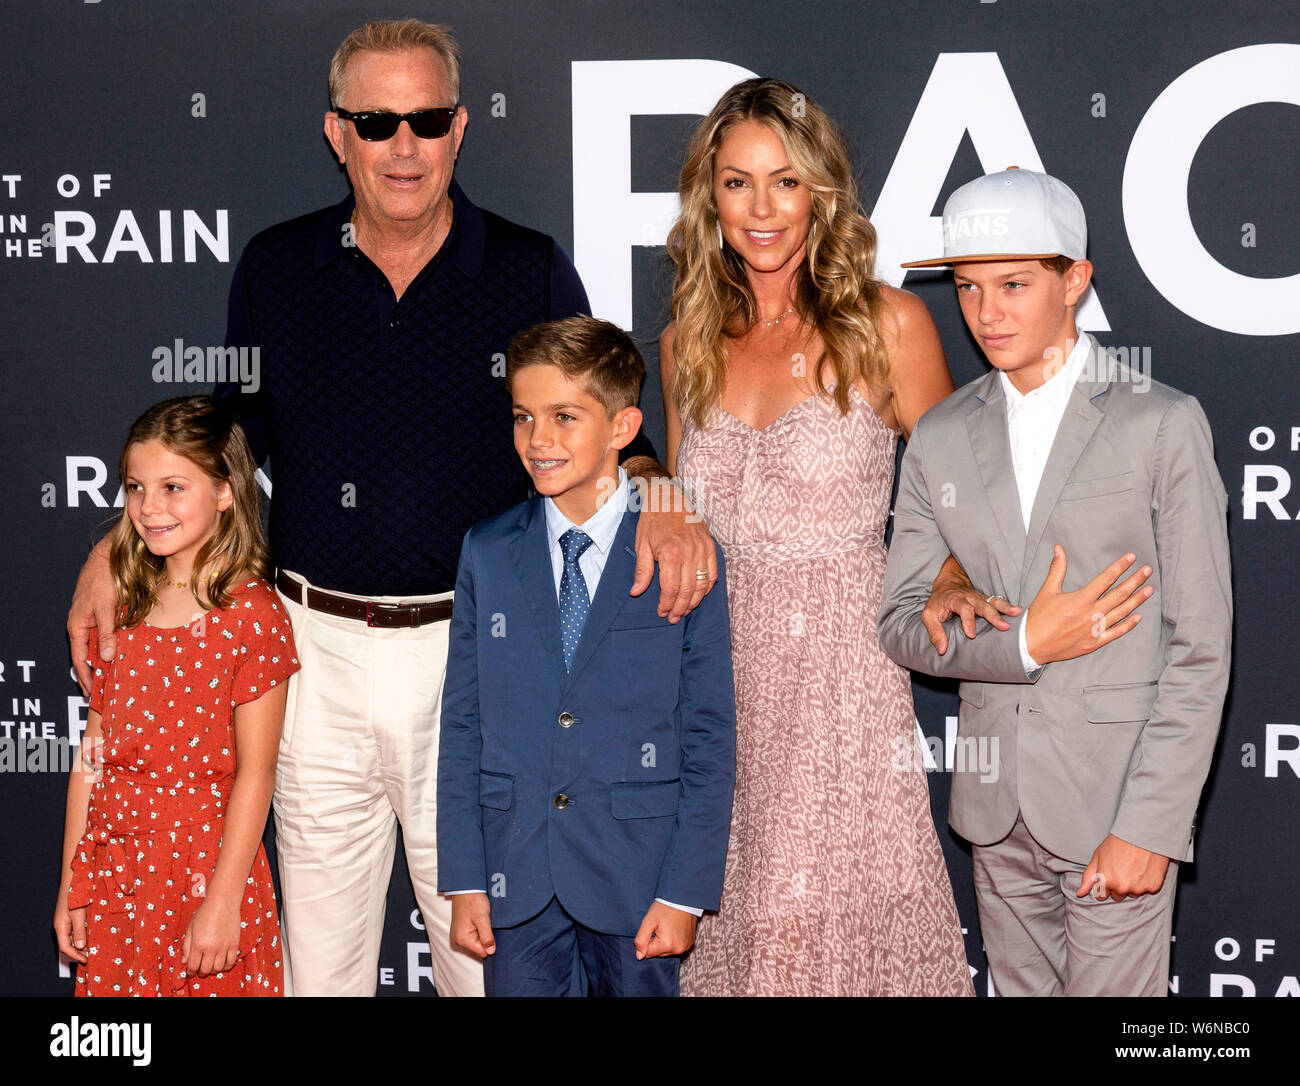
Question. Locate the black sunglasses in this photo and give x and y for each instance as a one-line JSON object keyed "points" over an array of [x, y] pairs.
{"points": [[377, 125]]}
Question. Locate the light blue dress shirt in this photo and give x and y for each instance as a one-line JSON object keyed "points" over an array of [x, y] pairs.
{"points": [[601, 526]]}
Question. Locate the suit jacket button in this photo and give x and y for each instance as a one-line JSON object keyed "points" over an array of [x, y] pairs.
{"points": [[565, 720], [561, 801]]}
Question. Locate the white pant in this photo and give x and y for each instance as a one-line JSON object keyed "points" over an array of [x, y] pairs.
{"points": [[358, 754]]}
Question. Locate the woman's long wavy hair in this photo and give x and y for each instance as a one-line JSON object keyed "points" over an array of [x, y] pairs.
{"points": [[836, 291], [207, 435]]}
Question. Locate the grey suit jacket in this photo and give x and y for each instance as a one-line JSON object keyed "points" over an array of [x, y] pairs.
{"points": [[1118, 741]]}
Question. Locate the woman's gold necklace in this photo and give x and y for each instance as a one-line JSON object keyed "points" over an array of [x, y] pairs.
{"points": [[772, 322]]}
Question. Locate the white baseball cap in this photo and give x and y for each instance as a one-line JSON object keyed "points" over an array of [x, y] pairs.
{"points": [[1014, 214]]}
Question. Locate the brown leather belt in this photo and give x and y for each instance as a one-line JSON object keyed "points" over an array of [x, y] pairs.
{"points": [[385, 615]]}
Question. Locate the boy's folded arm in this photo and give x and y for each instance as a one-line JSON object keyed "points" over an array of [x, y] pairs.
{"points": [[917, 552], [1177, 742], [461, 864], [691, 873]]}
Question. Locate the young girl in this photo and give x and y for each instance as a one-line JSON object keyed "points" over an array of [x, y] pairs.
{"points": [[165, 888]]}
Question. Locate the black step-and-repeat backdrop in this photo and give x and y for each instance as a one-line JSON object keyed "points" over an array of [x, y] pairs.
{"points": [[142, 142]]}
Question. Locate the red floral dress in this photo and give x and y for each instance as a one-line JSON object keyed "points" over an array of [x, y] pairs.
{"points": [[153, 829]]}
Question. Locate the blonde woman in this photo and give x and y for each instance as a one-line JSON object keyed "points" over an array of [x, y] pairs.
{"points": [[788, 375]]}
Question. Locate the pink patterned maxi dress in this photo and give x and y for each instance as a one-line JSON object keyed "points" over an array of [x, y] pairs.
{"points": [[835, 882]]}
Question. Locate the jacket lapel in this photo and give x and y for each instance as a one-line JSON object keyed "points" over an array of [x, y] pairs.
{"points": [[987, 427], [611, 594], [1079, 422], [531, 560]]}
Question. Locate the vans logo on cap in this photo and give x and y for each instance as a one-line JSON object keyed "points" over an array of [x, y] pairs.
{"points": [[977, 222]]}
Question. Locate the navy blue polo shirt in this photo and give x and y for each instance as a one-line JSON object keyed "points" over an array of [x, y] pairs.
{"points": [[386, 420]]}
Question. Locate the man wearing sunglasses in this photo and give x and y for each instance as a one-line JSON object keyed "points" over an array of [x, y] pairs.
{"points": [[382, 325]]}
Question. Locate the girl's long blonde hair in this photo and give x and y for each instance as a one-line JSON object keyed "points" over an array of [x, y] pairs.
{"points": [[207, 435], [836, 291]]}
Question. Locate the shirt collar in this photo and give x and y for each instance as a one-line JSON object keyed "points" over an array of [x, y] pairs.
{"points": [[1057, 388], [464, 246], [603, 524]]}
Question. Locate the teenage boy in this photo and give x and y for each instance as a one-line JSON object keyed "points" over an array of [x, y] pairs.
{"points": [[587, 755], [1101, 749]]}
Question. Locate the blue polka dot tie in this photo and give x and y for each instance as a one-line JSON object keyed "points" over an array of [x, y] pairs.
{"points": [[574, 601]]}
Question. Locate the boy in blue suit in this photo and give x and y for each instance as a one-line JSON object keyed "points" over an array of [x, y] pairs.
{"points": [[587, 755]]}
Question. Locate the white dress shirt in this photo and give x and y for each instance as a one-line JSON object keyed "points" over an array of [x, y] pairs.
{"points": [[1032, 421]]}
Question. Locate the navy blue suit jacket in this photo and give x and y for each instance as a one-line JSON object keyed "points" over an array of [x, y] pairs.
{"points": [[638, 739]]}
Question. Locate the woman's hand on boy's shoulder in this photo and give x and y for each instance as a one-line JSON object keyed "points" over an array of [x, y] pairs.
{"points": [[670, 533]]}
